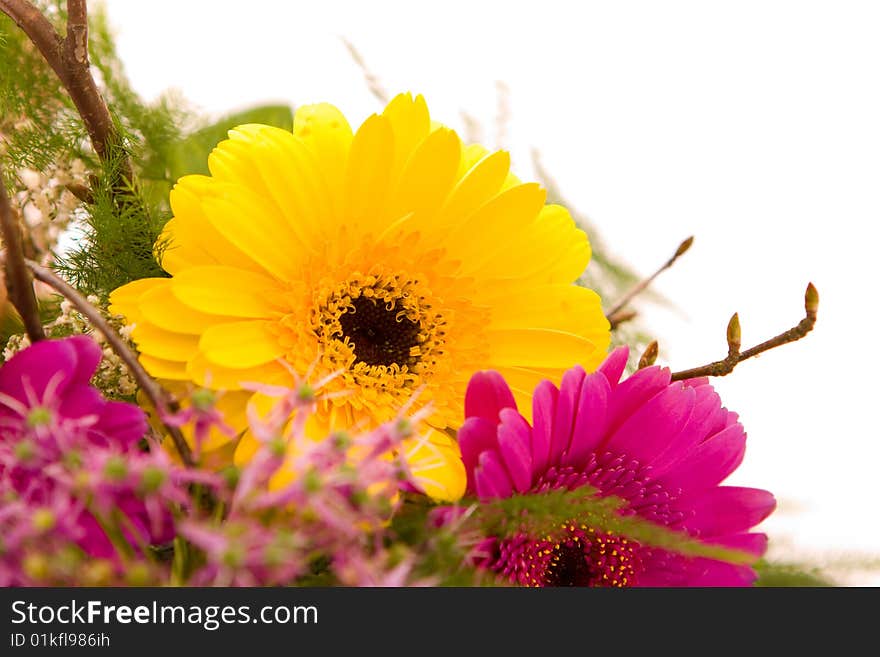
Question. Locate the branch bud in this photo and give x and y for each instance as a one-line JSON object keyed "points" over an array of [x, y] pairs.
{"points": [[811, 299], [649, 356], [684, 246], [734, 334]]}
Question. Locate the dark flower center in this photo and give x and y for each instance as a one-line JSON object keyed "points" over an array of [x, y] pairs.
{"points": [[379, 335], [569, 567], [588, 558], [580, 557]]}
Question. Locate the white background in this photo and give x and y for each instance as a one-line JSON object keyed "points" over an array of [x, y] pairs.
{"points": [[754, 126]]}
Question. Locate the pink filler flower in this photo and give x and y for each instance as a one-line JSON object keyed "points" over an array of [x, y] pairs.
{"points": [[58, 434], [663, 447]]}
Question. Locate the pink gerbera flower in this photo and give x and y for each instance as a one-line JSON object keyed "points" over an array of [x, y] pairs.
{"points": [[661, 447]]}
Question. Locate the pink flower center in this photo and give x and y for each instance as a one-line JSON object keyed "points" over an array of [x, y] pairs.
{"points": [[580, 557], [583, 556]]}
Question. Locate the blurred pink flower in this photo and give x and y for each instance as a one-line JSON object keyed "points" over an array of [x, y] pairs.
{"points": [[63, 446], [335, 501]]}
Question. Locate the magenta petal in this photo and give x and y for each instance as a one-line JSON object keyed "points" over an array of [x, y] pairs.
{"points": [[653, 427], [566, 405], [698, 382], [124, 423], [719, 573], [88, 357], [81, 400], [137, 521], [475, 436], [614, 365], [94, 541], [487, 393], [591, 421], [514, 441], [752, 542], [491, 478], [36, 366], [543, 411], [634, 392], [709, 463], [726, 510], [679, 571], [707, 407], [723, 419]]}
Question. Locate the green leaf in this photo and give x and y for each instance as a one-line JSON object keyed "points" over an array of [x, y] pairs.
{"points": [[772, 574], [191, 155], [546, 514]]}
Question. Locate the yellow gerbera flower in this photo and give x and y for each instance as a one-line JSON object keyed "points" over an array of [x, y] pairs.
{"points": [[395, 255]]}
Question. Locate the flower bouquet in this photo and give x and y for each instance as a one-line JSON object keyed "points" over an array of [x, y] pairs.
{"points": [[303, 349]]}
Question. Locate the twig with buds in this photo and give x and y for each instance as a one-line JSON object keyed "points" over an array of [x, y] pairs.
{"points": [[735, 356], [616, 315]]}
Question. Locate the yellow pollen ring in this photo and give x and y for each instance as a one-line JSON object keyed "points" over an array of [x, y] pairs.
{"points": [[382, 329]]}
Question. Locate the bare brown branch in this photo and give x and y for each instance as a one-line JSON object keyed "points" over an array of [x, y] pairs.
{"points": [[621, 317], [82, 192], [69, 58], [38, 29], [79, 82], [735, 357], [160, 399], [19, 282], [615, 314], [78, 28]]}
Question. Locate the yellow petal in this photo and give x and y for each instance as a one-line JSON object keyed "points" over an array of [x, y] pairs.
{"points": [[261, 404], [234, 160], [227, 291], [368, 175], [161, 307], [473, 153], [477, 187], [300, 182], [125, 300], [428, 175], [569, 308], [488, 230], [231, 405], [164, 369], [573, 254], [241, 344], [160, 343], [252, 225], [176, 254], [218, 377], [410, 122], [551, 249], [191, 238], [536, 347], [435, 462], [325, 131], [292, 174]]}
